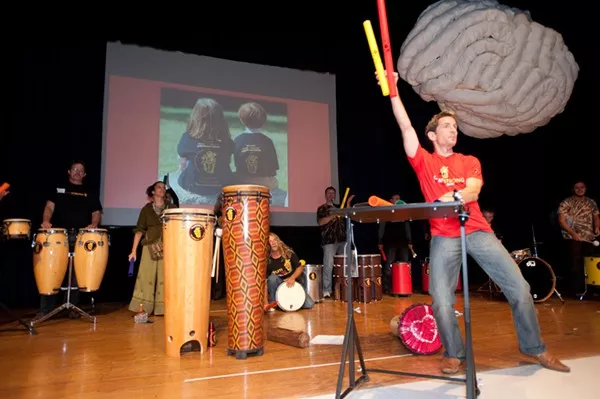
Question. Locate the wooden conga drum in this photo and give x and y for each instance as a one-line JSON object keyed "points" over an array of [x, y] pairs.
{"points": [[50, 259], [90, 258], [364, 288], [188, 238], [246, 231], [340, 283], [16, 229]]}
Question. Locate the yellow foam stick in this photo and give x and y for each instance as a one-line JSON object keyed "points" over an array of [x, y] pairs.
{"points": [[383, 82], [345, 197]]}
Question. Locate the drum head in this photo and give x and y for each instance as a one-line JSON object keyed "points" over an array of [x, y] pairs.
{"points": [[418, 330], [540, 277], [290, 299]]}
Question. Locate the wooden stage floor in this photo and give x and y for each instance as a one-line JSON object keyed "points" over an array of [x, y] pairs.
{"points": [[120, 359]]}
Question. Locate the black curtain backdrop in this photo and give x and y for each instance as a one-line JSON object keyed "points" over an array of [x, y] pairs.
{"points": [[53, 111]]}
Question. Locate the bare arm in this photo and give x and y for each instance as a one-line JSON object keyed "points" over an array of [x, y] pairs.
{"points": [[297, 272], [469, 194], [95, 220], [409, 135], [47, 216], [136, 241], [562, 220]]}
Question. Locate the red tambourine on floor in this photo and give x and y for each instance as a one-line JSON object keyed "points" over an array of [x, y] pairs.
{"points": [[418, 330]]}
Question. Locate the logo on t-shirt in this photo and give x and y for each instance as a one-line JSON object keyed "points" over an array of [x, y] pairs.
{"points": [[252, 163], [207, 161], [445, 179]]}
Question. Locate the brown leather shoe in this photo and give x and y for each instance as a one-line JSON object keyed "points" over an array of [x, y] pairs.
{"points": [[551, 362], [450, 365]]}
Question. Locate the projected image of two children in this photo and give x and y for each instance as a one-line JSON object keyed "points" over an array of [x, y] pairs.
{"points": [[210, 141]]}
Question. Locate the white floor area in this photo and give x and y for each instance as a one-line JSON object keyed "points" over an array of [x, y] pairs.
{"points": [[525, 382]]}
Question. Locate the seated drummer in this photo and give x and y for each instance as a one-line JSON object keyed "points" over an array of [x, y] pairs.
{"points": [[284, 266]]}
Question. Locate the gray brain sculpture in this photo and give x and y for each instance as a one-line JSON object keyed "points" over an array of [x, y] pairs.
{"points": [[499, 71]]}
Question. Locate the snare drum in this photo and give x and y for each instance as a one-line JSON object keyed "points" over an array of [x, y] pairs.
{"points": [[540, 276], [15, 229], [290, 299], [50, 259], [520, 254], [90, 258]]}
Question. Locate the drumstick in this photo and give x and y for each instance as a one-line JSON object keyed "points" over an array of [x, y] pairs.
{"points": [[385, 89], [594, 243], [383, 255], [218, 233], [345, 196], [387, 48]]}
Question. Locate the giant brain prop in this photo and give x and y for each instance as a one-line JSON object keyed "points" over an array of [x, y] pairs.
{"points": [[499, 71]]}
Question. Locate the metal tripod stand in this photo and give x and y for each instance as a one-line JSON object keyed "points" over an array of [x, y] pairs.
{"points": [[67, 304], [20, 320], [351, 347]]}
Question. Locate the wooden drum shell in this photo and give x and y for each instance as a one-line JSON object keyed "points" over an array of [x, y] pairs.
{"points": [[188, 239], [50, 259]]}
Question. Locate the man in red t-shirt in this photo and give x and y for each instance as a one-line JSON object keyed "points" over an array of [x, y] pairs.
{"points": [[441, 174]]}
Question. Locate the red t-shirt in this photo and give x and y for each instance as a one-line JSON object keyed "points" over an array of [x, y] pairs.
{"points": [[437, 175]]}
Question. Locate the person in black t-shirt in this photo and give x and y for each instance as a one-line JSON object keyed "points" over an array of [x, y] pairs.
{"points": [[205, 150], [254, 154], [70, 206], [284, 267]]}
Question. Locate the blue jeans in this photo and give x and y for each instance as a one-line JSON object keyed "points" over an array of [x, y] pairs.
{"points": [[494, 259], [274, 281], [329, 250]]}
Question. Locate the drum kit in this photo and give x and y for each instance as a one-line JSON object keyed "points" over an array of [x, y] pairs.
{"points": [[536, 271], [53, 257]]}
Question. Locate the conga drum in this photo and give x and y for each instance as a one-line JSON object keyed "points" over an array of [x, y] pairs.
{"points": [[50, 259], [364, 288], [90, 258], [16, 229], [188, 238], [246, 231]]}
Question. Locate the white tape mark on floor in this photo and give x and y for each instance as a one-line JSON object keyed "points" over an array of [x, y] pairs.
{"points": [[214, 377]]}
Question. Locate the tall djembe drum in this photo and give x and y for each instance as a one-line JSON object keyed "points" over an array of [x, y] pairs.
{"points": [[245, 249], [188, 237]]}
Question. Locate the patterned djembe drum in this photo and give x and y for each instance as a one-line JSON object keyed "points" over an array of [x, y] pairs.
{"points": [[245, 249]]}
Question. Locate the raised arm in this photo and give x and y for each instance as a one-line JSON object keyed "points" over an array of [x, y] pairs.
{"points": [[409, 135]]}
